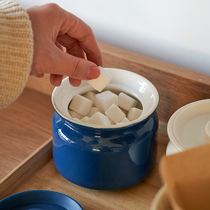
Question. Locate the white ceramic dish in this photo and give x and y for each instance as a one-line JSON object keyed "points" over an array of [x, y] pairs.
{"points": [[188, 126], [171, 149]]}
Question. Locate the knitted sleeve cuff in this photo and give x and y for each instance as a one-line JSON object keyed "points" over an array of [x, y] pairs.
{"points": [[16, 51]]}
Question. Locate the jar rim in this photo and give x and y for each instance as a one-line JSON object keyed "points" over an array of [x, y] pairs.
{"points": [[122, 80]]}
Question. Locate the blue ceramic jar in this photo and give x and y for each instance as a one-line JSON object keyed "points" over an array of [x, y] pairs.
{"points": [[106, 157]]}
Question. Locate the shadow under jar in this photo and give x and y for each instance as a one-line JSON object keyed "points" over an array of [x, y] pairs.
{"points": [[106, 157]]}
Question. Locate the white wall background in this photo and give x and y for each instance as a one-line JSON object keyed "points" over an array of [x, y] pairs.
{"points": [[175, 31]]}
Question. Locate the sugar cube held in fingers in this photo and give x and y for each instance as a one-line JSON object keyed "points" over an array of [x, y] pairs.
{"points": [[102, 81]]}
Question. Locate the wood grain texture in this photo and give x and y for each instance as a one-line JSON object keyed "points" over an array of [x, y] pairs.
{"points": [[26, 169], [24, 126]]}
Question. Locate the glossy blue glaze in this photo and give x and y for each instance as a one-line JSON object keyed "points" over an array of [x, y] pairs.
{"points": [[104, 158], [39, 200]]}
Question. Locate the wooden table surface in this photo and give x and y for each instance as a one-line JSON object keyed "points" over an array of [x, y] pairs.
{"points": [[25, 133]]}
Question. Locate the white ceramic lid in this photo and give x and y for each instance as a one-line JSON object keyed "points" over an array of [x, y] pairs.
{"points": [[189, 126]]}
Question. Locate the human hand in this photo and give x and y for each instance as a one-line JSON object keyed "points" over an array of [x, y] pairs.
{"points": [[55, 28]]}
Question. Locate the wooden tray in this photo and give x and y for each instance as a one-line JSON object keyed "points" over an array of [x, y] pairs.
{"points": [[176, 87]]}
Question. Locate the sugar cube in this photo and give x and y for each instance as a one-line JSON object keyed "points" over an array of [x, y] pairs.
{"points": [[124, 121], [126, 102], [74, 114], [123, 110], [91, 96], [85, 119], [76, 119], [80, 104], [115, 113], [105, 99], [134, 113], [99, 119], [112, 122], [102, 81], [93, 110]]}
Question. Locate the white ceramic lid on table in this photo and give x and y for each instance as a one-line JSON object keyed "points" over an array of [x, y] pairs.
{"points": [[189, 126]]}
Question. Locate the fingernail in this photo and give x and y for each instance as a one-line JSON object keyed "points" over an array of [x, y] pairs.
{"points": [[93, 73]]}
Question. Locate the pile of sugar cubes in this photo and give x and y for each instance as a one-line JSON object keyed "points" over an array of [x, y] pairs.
{"points": [[106, 107]]}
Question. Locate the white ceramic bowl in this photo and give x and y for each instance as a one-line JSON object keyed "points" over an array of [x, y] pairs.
{"points": [[189, 126]]}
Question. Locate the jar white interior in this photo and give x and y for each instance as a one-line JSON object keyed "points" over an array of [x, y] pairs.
{"points": [[123, 81]]}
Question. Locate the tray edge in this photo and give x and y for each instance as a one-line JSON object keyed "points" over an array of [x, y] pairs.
{"points": [[24, 170]]}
